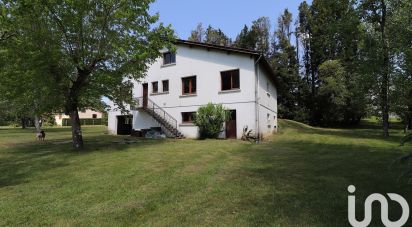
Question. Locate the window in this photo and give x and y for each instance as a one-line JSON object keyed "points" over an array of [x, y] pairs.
{"points": [[155, 87], [189, 85], [169, 58], [165, 85], [94, 116], [128, 120], [230, 80], [187, 117]]}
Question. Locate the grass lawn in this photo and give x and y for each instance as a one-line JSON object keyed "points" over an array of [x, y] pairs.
{"points": [[298, 178]]}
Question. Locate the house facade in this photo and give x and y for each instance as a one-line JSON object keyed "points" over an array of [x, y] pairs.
{"points": [[83, 114], [179, 83]]}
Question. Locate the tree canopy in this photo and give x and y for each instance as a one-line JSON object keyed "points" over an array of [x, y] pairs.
{"points": [[81, 50], [339, 61]]}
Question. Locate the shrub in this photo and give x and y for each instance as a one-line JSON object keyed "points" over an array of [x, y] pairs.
{"points": [[210, 119], [84, 121]]}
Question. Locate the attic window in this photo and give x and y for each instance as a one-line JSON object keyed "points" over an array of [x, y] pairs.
{"points": [[230, 80], [169, 58]]}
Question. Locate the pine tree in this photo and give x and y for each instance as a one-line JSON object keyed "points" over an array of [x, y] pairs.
{"points": [[286, 66], [245, 39]]}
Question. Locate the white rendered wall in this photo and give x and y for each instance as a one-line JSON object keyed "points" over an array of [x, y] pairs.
{"points": [[267, 104], [206, 66], [112, 118]]}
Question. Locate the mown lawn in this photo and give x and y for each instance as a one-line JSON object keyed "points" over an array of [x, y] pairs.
{"points": [[299, 178]]}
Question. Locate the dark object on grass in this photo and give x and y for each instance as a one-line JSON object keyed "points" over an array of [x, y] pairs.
{"points": [[41, 135], [137, 133]]}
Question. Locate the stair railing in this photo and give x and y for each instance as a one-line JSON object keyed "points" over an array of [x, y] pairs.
{"points": [[155, 110]]}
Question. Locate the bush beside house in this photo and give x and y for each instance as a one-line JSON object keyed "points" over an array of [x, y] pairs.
{"points": [[210, 119]]}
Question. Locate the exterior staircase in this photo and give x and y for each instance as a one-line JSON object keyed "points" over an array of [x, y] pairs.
{"points": [[166, 121]]}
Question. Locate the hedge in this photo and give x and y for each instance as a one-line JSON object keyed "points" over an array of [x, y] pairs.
{"points": [[85, 121]]}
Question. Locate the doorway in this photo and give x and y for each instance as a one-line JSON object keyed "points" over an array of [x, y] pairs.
{"points": [[231, 126], [145, 94], [124, 125]]}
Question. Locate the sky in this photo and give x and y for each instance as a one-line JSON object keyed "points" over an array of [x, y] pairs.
{"points": [[228, 15]]}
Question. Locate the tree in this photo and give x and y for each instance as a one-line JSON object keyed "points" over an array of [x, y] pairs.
{"points": [[402, 104], [216, 37], [210, 119], [257, 37], [210, 35], [331, 30], [333, 92], [25, 68], [198, 35], [97, 48], [285, 63], [304, 33], [402, 77], [245, 39], [6, 31], [376, 14], [261, 32]]}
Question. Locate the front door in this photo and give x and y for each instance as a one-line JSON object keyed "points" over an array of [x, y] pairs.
{"points": [[145, 93], [231, 126]]}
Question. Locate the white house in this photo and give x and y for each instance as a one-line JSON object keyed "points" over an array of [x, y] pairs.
{"points": [[179, 83], [83, 114]]}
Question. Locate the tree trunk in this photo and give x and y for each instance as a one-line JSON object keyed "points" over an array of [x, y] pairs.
{"points": [[72, 104], [307, 63], [385, 74], [37, 123], [313, 95], [76, 130], [23, 123]]}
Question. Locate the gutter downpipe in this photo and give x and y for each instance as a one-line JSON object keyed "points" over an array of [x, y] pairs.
{"points": [[257, 127]]}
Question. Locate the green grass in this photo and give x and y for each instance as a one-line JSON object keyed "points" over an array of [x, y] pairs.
{"points": [[298, 178]]}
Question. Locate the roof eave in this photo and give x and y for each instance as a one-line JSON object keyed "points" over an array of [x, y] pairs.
{"points": [[217, 47], [252, 53]]}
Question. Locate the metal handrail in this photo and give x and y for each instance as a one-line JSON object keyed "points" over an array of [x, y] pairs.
{"points": [[155, 110]]}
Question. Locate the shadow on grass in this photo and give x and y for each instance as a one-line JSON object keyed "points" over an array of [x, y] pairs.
{"points": [[19, 163], [308, 181], [32, 129]]}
